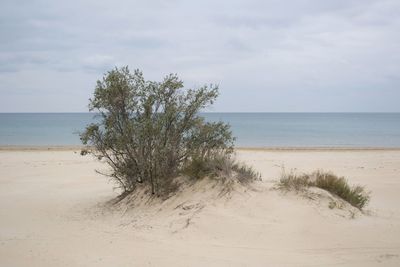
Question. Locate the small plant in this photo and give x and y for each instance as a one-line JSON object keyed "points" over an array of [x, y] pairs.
{"points": [[294, 182], [246, 173], [221, 166], [354, 195], [332, 205]]}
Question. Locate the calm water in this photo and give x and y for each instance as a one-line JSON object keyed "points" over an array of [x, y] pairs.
{"points": [[251, 129]]}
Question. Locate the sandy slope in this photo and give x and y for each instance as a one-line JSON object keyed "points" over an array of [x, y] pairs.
{"points": [[53, 213]]}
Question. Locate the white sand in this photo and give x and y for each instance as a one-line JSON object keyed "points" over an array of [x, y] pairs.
{"points": [[52, 213]]}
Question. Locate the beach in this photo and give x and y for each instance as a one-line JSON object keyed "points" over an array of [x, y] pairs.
{"points": [[200, 133], [55, 211]]}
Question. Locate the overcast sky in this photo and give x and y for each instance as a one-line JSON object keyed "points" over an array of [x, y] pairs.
{"points": [[280, 56]]}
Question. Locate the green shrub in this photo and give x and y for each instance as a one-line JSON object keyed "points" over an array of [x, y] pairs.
{"points": [[197, 168], [147, 130]]}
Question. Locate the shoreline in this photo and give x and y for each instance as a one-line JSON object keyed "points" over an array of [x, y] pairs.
{"points": [[239, 148]]}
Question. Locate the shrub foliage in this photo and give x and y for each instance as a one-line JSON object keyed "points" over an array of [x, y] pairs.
{"points": [[148, 132]]}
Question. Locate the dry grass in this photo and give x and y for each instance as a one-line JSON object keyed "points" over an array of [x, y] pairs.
{"points": [[221, 167], [357, 196], [245, 173]]}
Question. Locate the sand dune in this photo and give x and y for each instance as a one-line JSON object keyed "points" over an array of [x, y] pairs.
{"points": [[55, 211]]}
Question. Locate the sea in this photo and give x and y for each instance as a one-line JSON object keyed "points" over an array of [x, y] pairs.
{"points": [[343, 130]]}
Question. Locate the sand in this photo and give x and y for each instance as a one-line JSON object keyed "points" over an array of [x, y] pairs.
{"points": [[55, 211]]}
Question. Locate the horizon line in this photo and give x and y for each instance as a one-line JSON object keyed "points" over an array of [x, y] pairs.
{"points": [[249, 112]]}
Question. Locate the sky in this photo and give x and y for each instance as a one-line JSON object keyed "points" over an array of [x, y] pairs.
{"points": [[265, 55]]}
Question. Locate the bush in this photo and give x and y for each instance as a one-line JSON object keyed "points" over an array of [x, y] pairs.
{"points": [[148, 132], [354, 195]]}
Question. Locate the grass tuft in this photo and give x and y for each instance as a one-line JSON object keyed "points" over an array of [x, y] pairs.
{"points": [[357, 196], [245, 173], [222, 167], [294, 182]]}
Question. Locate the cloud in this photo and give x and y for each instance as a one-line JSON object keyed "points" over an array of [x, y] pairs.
{"points": [[266, 55], [98, 62]]}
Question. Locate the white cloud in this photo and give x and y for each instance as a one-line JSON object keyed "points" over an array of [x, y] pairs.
{"points": [[98, 62], [266, 55]]}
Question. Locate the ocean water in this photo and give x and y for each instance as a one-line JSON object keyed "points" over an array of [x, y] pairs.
{"points": [[250, 129]]}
